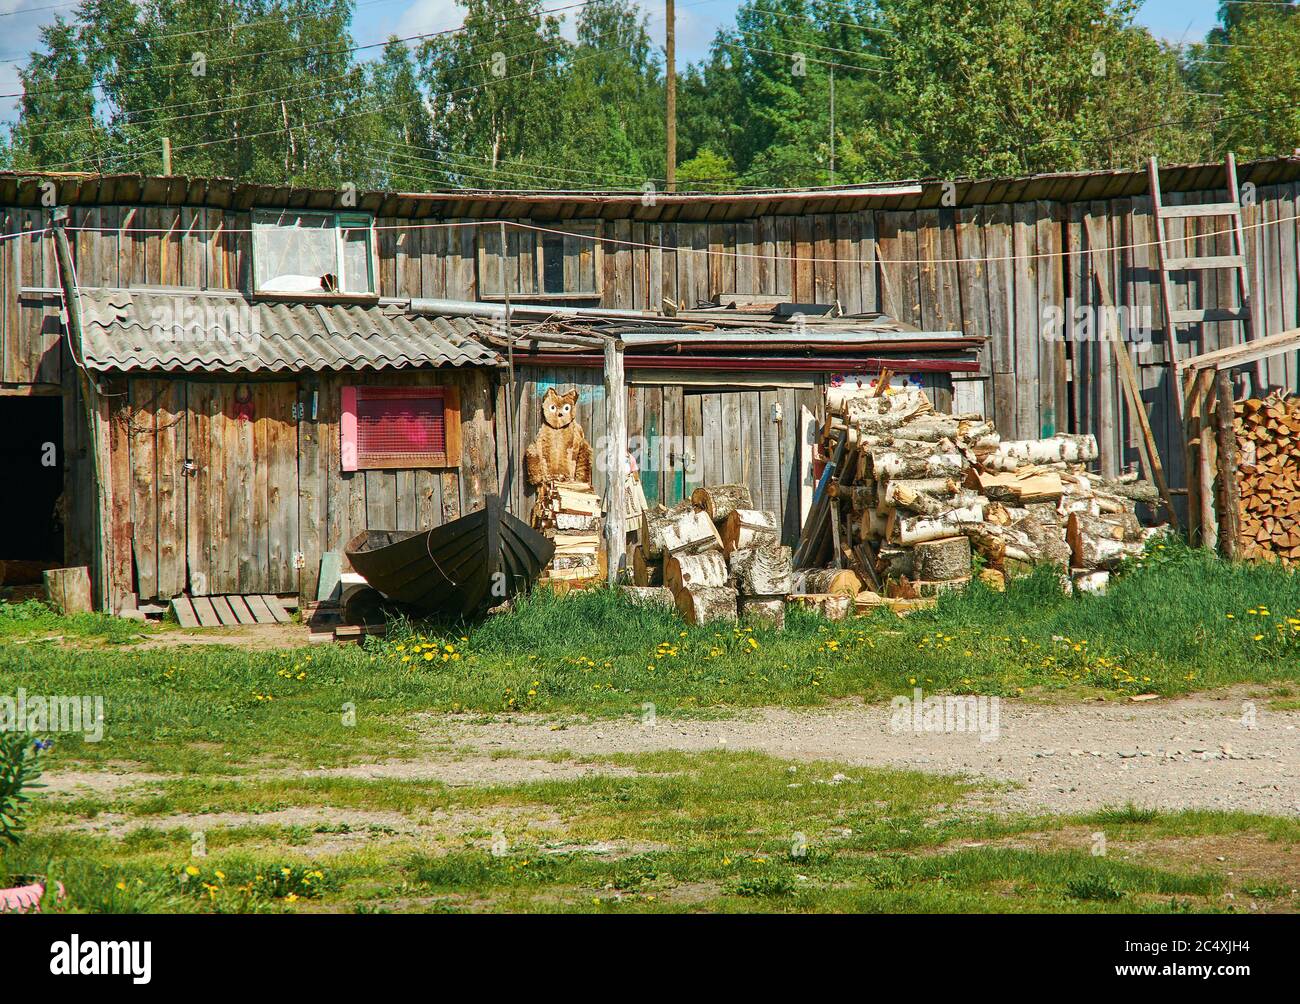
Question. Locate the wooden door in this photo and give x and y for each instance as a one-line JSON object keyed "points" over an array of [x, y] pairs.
{"points": [[242, 533]]}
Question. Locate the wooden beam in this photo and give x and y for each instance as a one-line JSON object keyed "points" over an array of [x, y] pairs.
{"points": [[1229, 496], [1166, 287], [615, 459], [1240, 355]]}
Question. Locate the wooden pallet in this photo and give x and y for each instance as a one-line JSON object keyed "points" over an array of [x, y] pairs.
{"points": [[226, 611]]}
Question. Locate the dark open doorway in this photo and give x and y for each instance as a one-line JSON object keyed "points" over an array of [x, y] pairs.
{"points": [[31, 455]]}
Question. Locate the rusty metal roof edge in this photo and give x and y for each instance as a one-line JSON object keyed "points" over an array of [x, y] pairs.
{"points": [[89, 189]]}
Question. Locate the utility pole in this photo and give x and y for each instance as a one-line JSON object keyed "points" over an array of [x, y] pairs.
{"points": [[671, 58], [167, 156], [832, 125]]}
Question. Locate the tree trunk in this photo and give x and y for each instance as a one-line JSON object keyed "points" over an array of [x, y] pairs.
{"points": [[720, 500], [763, 571], [707, 603], [746, 528], [690, 571]]}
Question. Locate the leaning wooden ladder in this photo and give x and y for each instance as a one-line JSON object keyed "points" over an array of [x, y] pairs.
{"points": [[1167, 264]]}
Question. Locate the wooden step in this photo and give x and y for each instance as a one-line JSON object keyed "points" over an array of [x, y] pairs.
{"points": [[1208, 314], [1209, 261], [224, 614], [277, 610], [204, 610], [184, 612], [242, 614], [1208, 209]]}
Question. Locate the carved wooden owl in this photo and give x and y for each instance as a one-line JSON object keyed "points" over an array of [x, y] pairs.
{"points": [[560, 449]]}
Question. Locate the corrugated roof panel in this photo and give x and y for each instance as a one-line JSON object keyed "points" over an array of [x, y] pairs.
{"points": [[145, 330]]}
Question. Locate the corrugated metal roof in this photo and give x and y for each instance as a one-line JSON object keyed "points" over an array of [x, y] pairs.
{"points": [[22, 188], [139, 330]]}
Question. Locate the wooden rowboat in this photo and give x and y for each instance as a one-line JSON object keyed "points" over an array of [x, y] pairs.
{"points": [[460, 568]]}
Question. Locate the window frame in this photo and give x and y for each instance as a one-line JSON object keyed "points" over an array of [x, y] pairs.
{"points": [[342, 220], [594, 230], [350, 455]]}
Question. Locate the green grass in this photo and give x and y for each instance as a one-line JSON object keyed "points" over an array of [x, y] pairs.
{"points": [[718, 831], [1178, 621]]}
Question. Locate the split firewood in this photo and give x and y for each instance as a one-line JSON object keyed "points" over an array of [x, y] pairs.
{"points": [[688, 571], [894, 562], [768, 609], [827, 580], [1046, 544], [720, 500], [745, 528], [703, 604], [767, 570], [1011, 454], [942, 559]]}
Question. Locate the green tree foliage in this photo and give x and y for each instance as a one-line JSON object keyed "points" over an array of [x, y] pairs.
{"points": [[1259, 78]]}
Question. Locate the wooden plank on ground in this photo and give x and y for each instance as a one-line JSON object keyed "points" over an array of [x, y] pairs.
{"points": [[261, 612], [204, 611], [224, 614], [277, 611], [184, 612], [240, 609]]}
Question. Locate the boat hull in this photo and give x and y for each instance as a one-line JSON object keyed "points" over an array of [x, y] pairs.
{"points": [[460, 568]]}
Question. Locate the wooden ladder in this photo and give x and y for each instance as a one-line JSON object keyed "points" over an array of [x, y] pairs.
{"points": [[1231, 209]]}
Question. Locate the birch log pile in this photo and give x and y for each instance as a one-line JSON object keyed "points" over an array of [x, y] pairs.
{"points": [[719, 501], [746, 528], [913, 495]]}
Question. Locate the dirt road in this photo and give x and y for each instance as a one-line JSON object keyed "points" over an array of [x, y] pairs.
{"points": [[1224, 752]]}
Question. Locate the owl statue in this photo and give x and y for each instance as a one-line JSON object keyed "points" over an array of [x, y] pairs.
{"points": [[560, 451]]}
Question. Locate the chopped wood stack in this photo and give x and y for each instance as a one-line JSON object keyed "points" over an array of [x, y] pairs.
{"points": [[569, 512], [1268, 476], [717, 555], [908, 497]]}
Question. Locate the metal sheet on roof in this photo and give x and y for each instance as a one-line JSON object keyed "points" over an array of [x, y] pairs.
{"points": [[138, 330]]}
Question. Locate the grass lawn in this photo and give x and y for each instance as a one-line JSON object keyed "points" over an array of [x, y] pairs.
{"points": [[668, 833], [1181, 621], [215, 740]]}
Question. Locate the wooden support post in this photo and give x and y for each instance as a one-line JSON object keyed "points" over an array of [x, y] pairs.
{"points": [[1199, 437], [104, 587], [68, 589], [615, 458], [1166, 287], [1229, 496]]}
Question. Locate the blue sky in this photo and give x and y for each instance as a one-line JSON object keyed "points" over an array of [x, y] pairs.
{"points": [[697, 20]]}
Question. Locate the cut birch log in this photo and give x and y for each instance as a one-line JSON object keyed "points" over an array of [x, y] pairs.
{"points": [[832, 606], [653, 524], [746, 528], [896, 463], [767, 570], [689, 533], [720, 500], [768, 609], [915, 529], [916, 589], [827, 580], [1010, 454], [1092, 582], [649, 596], [707, 603], [690, 571], [645, 573], [936, 428], [1102, 552], [942, 559], [1049, 547]]}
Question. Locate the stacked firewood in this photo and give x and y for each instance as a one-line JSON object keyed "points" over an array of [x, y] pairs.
{"points": [[1268, 476], [713, 557], [569, 512], [909, 497]]}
